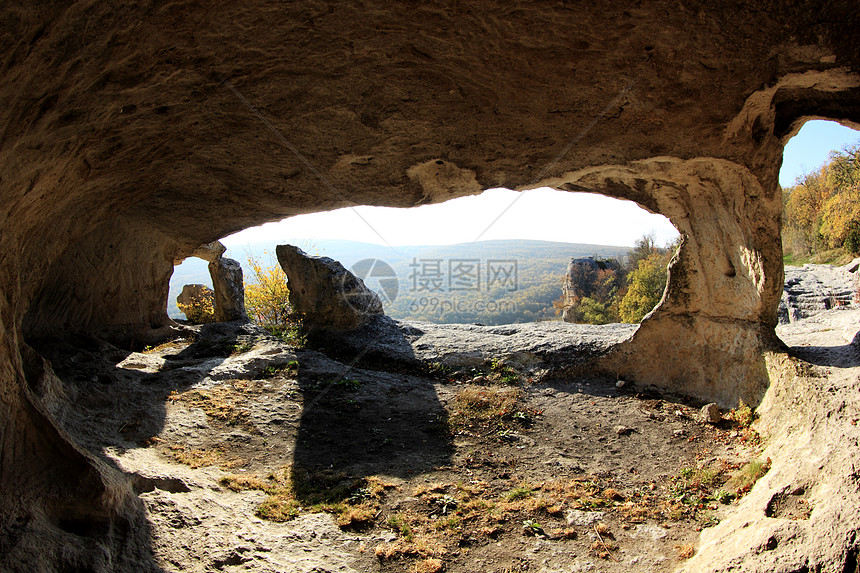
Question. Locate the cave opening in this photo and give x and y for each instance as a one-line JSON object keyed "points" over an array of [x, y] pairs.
{"points": [[820, 179], [501, 257]]}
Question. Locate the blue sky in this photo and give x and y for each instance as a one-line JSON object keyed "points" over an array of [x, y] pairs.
{"points": [[810, 148], [542, 214]]}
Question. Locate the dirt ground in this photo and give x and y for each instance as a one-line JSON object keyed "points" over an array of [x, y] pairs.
{"points": [[393, 468]]}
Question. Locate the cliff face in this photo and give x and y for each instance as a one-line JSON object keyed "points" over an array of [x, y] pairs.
{"points": [[130, 134]]}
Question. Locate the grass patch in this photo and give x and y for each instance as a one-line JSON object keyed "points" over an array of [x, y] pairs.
{"points": [[518, 493], [502, 373], [400, 526], [491, 409], [429, 565], [745, 479], [243, 482], [354, 501], [279, 508], [424, 547], [220, 403]]}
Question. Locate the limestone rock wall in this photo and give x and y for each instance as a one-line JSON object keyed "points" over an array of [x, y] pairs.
{"points": [[131, 134], [719, 309]]}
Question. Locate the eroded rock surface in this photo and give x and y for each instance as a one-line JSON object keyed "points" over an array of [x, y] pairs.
{"points": [[577, 270], [326, 295], [802, 515], [229, 287], [130, 137], [811, 289]]}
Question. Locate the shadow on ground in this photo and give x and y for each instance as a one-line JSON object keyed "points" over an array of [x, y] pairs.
{"points": [[363, 422]]}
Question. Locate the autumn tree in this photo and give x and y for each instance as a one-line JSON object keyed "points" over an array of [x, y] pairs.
{"points": [[822, 209], [645, 286], [267, 297]]}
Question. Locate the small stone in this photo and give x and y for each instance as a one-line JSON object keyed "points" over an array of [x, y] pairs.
{"points": [[623, 430], [652, 532], [711, 414], [620, 384], [679, 433]]}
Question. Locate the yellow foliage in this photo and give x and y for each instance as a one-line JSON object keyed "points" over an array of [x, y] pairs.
{"points": [[199, 309], [267, 296], [822, 209], [837, 214], [646, 285]]}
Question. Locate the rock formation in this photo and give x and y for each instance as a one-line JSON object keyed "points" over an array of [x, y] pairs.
{"points": [[130, 137], [812, 288], [194, 298], [579, 272], [325, 294], [229, 289], [227, 282]]}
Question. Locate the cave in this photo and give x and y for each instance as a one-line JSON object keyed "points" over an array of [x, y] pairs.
{"points": [[133, 135]]}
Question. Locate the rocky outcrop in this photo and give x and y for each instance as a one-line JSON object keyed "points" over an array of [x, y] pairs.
{"points": [[579, 272], [802, 515], [326, 295], [811, 289], [227, 282], [197, 302], [229, 287], [130, 137]]}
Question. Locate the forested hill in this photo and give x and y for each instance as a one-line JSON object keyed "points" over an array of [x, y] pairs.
{"points": [[489, 282]]}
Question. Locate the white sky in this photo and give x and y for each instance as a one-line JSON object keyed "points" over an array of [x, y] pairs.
{"points": [[539, 214]]}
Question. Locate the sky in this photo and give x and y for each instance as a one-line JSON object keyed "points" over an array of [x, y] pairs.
{"points": [[538, 214]]}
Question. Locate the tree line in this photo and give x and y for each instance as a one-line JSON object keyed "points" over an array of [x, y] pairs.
{"points": [[821, 211]]}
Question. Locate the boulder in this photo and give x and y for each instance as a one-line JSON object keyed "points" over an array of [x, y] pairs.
{"points": [[210, 252], [328, 296], [229, 289], [197, 302]]}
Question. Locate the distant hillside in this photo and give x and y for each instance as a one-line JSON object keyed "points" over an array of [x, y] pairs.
{"points": [[489, 282]]}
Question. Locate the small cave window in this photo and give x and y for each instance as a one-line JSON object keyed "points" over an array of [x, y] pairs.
{"points": [[192, 272], [496, 258]]}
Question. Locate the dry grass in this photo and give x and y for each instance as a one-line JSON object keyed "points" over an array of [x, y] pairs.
{"points": [[745, 479], [219, 403], [354, 502], [429, 565], [483, 406], [245, 482], [424, 547], [196, 458], [357, 517], [279, 507]]}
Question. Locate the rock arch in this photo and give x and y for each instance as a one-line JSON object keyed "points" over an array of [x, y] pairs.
{"points": [[130, 137]]}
